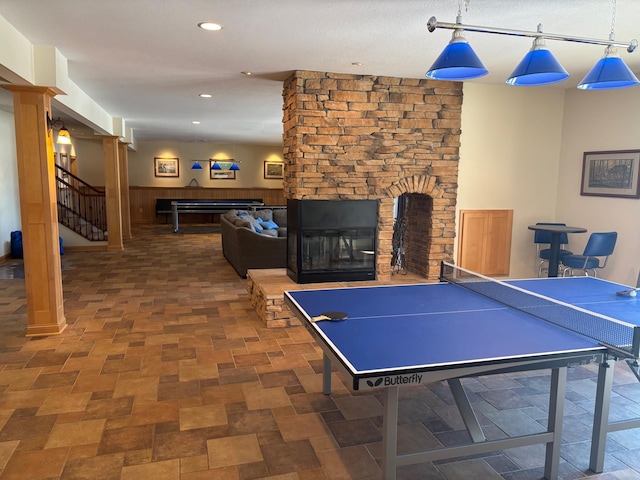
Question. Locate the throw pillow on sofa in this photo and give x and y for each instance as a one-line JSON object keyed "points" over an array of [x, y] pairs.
{"points": [[280, 217], [264, 214], [254, 223], [268, 224]]}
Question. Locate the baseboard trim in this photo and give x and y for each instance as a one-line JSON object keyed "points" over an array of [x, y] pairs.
{"points": [[85, 248]]}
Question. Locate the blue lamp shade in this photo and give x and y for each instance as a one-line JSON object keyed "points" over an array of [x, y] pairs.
{"points": [[538, 67], [216, 166], [457, 61], [234, 166], [196, 166], [608, 73]]}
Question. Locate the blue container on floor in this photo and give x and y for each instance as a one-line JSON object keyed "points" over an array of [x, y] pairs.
{"points": [[16, 245]]}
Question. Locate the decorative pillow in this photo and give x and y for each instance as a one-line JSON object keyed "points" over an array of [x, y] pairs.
{"points": [[241, 222], [242, 213], [270, 233], [280, 216], [268, 224], [264, 214], [254, 223]]}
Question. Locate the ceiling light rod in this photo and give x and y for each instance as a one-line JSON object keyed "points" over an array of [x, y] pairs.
{"points": [[433, 23]]}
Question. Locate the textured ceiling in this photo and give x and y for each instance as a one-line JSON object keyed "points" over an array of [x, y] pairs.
{"points": [[146, 61]]}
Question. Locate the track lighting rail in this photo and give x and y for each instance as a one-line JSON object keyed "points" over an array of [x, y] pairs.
{"points": [[433, 24]]}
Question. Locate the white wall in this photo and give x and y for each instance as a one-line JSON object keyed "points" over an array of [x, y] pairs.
{"points": [[600, 121], [10, 209], [89, 155], [510, 148]]}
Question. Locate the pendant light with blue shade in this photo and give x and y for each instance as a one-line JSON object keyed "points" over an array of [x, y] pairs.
{"points": [[459, 62]]}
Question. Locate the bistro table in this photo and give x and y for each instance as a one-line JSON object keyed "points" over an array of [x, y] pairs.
{"points": [[556, 232]]}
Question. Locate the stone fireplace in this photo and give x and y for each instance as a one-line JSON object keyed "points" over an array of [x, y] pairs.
{"points": [[356, 137]]}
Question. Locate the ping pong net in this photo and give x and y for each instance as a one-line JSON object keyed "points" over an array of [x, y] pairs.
{"points": [[621, 338]]}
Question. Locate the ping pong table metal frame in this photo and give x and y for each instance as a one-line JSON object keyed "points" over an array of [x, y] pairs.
{"points": [[601, 424], [199, 206], [392, 381]]}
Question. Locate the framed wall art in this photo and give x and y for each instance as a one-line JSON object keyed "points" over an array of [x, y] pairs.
{"points": [[166, 167], [273, 170], [611, 174], [223, 173]]}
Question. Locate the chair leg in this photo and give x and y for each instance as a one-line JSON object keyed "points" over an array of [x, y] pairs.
{"points": [[541, 268]]}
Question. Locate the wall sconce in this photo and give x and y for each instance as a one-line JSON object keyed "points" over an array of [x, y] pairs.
{"points": [[63, 134], [459, 62]]}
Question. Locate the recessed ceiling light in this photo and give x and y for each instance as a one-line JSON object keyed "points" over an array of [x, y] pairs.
{"points": [[196, 122], [205, 95], [248, 74], [357, 64], [210, 26]]}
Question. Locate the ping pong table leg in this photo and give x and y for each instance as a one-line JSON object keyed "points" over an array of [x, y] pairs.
{"points": [[464, 407], [601, 416], [326, 374], [554, 424], [174, 217], [390, 434]]}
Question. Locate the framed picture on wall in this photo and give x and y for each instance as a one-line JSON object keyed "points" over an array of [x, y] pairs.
{"points": [[273, 170], [222, 173], [611, 174], [166, 167]]}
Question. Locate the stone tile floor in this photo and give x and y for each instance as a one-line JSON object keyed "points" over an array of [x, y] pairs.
{"points": [[165, 372]]}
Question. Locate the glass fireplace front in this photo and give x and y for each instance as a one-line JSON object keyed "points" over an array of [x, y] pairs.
{"points": [[331, 240]]}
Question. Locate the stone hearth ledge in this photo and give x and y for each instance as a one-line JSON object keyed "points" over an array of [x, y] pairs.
{"points": [[266, 289]]}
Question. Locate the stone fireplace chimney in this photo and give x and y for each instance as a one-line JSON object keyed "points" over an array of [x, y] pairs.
{"points": [[356, 137]]}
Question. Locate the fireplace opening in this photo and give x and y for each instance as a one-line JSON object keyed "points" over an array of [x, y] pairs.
{"points": [[331, 240], [413, 217], [398, 260]]}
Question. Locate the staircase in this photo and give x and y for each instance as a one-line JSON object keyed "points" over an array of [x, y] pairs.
{"points": [[81, 207]]}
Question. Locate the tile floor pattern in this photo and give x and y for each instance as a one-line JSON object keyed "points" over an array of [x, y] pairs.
{"points": [[165, 372]]}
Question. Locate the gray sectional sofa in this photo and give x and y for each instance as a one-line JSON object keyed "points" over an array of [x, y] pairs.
{"points": [[250, 239]]}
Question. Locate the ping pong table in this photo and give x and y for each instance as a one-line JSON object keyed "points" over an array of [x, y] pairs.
{"points": [[470, 325]]}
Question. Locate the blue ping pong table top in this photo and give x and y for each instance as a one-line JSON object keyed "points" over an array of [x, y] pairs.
{"points": [[427, 326], [593, 294]]}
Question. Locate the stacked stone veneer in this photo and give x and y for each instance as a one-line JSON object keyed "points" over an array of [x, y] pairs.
{"points": [[366, 137]]}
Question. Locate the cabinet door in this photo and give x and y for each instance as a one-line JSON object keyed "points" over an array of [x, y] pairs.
{"points": [[471, 241], [484, 242]]}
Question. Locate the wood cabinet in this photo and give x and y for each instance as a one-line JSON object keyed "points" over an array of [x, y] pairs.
{"points": [[484, 241]]}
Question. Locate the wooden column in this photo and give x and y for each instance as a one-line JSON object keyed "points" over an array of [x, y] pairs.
{"points": [[112, 193], [38, 210], [125, 204]]}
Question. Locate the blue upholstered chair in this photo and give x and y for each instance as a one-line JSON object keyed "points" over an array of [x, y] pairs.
{"points": [[541, 238], [595, 255]]}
